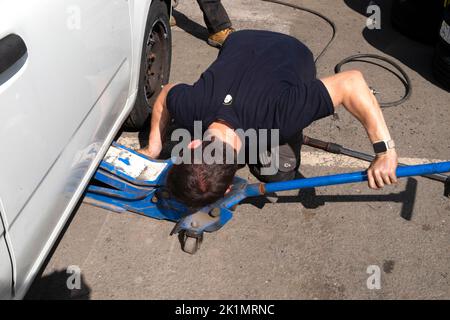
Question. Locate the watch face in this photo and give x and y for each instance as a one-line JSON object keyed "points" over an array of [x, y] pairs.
{"points": [[380, 147]]}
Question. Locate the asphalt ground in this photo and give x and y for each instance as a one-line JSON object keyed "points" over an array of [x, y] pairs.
{"points": [[316, 244]]}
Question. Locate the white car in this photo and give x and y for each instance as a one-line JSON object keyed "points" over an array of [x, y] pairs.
{"points": [[71, 73]]}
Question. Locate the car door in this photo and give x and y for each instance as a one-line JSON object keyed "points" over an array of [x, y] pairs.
{"points": [[5, 264], [65, 84]]}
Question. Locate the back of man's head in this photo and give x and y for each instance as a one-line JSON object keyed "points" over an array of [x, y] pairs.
{"points": [[198, 183]]}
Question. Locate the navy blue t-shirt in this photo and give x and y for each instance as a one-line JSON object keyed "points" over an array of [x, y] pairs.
{"points": [[260, 80]]}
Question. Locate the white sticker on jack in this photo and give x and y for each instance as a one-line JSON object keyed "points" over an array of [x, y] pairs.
{"points": [[134, 165], [445, 32]]}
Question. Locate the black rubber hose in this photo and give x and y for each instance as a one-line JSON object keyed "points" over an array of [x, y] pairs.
{"points": [[406, 80], [316, 13]]}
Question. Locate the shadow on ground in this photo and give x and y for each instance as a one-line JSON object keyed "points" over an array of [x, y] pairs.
{"points": [[415, 55], [310, 200], [54, 287]]}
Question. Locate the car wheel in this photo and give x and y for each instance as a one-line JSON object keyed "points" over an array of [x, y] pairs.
{"points": [[155, 64]]}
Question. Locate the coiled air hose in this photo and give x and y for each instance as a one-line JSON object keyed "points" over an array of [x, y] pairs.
{"points": [[404, 78]]}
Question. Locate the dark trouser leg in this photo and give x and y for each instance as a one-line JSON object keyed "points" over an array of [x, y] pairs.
{"points": [[289, 162], [215, 16]]}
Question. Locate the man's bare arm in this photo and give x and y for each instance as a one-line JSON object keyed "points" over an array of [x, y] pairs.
{"points": [[160, 120], [351, 90]]}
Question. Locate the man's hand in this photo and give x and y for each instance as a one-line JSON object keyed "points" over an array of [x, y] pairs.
{"points": [[153, 150], [382, 170]]}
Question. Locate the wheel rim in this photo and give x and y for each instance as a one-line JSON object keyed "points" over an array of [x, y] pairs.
{"points": [[156, 60]]}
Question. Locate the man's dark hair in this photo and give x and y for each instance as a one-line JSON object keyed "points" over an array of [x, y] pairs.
{"points": [[198, 184]]}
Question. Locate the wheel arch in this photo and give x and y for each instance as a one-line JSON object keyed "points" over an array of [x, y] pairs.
{"points": [[168, 5]]}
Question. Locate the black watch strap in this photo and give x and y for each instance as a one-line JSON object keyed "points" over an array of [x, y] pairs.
{"points": [[383, 146]]}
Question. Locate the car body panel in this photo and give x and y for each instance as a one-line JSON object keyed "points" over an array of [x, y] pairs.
{"points": [[67, 179], [67, 69], [6, 263], [5, 269], [59, 112]]}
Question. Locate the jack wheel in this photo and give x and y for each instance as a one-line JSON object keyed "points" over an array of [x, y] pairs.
{"points": [[191, 244]]}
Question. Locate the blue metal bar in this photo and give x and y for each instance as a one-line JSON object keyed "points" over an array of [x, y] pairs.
{"points": [[402, 172], [119, 194], [118, 183]]}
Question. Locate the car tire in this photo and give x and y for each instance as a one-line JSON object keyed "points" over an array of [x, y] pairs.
{"points": [[441, 66], [417, 19], [441, 63], [155, 65]]}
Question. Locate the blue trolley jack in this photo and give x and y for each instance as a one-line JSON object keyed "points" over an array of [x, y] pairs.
{"points": [[129, 181]]}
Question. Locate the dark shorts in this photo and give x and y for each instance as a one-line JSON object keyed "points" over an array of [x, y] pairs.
{"points": [[289, 162]]}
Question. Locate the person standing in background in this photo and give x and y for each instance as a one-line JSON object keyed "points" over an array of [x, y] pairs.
{"points": [[216, 20]]}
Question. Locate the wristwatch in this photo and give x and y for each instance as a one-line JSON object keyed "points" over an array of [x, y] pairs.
{"points": [[381, 147]]}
